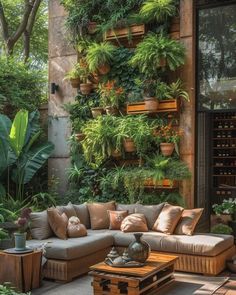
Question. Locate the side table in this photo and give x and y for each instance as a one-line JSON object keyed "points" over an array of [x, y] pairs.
{"points": [[23, 271]]}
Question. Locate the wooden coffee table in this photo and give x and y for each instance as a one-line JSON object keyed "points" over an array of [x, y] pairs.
{"points": [[158, 272]]}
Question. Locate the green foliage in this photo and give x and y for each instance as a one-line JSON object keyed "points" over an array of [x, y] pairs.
{"points": [[3, 235], [108, 14], [14, 10], [10, 208], [21, 86], [80, 111], [228, 206], [99, 139], [221, 229], [124, 75], [155, 48], [155, 197], [23, 154], [99, 54], [176, 90], [158, 10], [7, 289], [42, 201]]}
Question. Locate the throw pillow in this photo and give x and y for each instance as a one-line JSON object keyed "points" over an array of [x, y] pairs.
{"points": [[116, 217], [69, 210], [151, 212], [188, 221], [83, 214], [168, 219], [58, 222], [98, 214], [39, 225], [126, 207], [75, 229], [134, 223]]}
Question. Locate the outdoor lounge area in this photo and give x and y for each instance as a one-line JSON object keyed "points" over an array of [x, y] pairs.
{"points": [[118, 147]]}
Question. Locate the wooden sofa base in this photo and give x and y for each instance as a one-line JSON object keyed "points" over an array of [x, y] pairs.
{"points": [[66, 270], [206, 265], [63, 270]]}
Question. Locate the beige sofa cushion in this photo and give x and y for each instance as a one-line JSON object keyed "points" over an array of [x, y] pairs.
{"points": [[151, 212], [69, 210], [168, 219], [83, 214], [58, 222], [134, 223], [127, 207], [77, 247], [98, 214], [188, 221], [39, 225], [197, 244]]}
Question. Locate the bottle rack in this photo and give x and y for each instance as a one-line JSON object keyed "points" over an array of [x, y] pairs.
{"points": [[223, 156]]}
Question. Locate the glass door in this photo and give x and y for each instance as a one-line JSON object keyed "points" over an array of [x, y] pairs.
{"points": [[216, 97]]}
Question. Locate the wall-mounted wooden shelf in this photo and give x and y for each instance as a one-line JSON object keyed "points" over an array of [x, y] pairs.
{"points": [[165, 106]]}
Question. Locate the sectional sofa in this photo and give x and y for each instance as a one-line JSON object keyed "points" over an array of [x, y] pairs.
{"points": [[67, 259]]}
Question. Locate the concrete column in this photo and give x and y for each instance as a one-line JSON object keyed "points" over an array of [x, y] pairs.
{"points": [[187, 117], [62, 57]]}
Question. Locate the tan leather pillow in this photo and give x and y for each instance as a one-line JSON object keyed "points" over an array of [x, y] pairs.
{"points": [[168, 219], [58, 222], [188, 221], [75, 229], [134, 223], [98, 214], [116, 217]]}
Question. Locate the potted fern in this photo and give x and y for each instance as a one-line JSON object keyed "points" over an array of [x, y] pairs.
{"points": [[157, 51], [111, 97], [168, 137], [99, 57], [86, 85], [159, 10], [74, 76], [149, 91]]}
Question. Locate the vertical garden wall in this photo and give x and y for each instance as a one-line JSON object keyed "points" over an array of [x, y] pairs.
{"points": [[103, 167]]}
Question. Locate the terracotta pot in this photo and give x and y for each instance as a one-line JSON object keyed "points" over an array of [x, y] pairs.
{"points": [[116, 154], [97, 112], [75, 82], [94, 78], [162, 63], [151, 104], [162, 183], [167, 149], [112, 111], [80, 136], [104, 69], [92, 26], [85, 88], [129, 145]]}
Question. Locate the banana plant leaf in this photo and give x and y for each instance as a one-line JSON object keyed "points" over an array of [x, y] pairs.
{"points": [[31, 162], [5, 126], [18, 131]]}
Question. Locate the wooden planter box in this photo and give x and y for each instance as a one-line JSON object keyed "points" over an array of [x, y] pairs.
{"points": [[165, 183], [170, 105], [175, 28], [120, 33]]}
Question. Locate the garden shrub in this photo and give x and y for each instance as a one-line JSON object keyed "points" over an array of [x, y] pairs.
{"points": [[21, 86]]}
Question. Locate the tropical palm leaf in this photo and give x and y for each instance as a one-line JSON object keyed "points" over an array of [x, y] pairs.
{"points": [[18, 131], [32, 162]]}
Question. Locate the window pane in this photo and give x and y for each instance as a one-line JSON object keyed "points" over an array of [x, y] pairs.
{"points": [[217, 58]]}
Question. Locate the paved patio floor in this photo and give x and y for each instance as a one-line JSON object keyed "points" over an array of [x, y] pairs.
{"points": [[185, 284]]}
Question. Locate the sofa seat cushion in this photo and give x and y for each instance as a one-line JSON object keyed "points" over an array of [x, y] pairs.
{"points": [[198, 244], [73, 248]]}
